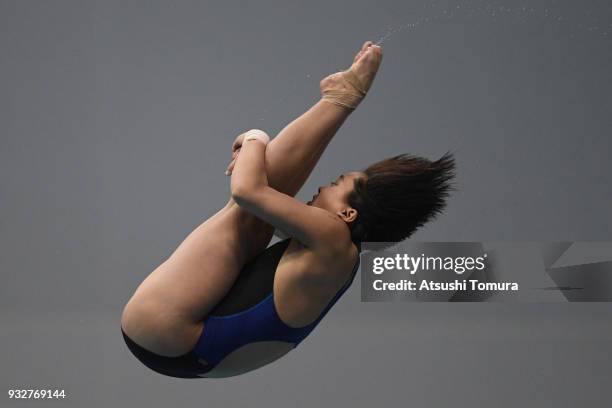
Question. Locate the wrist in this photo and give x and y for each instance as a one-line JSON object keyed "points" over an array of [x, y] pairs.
{"points": [[256, 139], [257, 135]]}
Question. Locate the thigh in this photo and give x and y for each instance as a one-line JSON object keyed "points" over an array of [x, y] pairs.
{"points": [[206, 264], [180, 292], [209, 260]]}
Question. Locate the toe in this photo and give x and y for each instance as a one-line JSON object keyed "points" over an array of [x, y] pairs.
{"points": [[374, 52], [366, 45]]}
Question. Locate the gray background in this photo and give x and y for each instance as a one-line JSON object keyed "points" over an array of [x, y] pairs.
{"points": [[116, 123]]}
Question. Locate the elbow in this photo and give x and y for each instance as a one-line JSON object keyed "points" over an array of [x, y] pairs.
{"points": [[238, 191], [241, 193]]}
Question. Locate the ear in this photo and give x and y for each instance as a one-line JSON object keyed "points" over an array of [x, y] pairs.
{"points": [[348, 214]]}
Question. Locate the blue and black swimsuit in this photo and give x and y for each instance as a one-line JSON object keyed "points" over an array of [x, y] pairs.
{"points": [[247, 314]]}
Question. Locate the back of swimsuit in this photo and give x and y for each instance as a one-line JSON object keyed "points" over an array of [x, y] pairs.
{"points": [[246, 315]]}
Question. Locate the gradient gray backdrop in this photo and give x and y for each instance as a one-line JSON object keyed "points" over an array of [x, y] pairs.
{"points": [[116, 119]]}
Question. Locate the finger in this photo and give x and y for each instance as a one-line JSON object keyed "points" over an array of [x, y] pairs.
{"points": [[235, 154], [236, 150], [230, 167], [238, 142]]}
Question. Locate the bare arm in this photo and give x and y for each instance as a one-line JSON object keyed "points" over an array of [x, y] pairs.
{"points": [[314, 227]]}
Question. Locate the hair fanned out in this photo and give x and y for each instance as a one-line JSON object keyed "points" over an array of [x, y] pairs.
{"points": [[399, 195]]}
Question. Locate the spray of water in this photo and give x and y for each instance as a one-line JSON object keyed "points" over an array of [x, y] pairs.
{"points": [[476, 9], [495, 12]]}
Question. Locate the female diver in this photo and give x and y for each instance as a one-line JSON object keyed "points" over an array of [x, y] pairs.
{"points": [[224, 303]]}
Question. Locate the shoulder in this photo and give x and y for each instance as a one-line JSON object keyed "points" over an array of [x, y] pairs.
{"points": [[332, 264], [335, 243]]}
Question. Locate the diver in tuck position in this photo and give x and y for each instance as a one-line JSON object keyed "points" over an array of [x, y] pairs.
{"points": [[224, 303]]}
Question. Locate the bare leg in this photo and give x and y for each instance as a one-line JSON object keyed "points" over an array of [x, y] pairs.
{"points": [[165, 314], [292, 155], [170, 301]]}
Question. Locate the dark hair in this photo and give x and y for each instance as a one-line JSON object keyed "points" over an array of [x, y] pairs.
{"points": [[399, 195]]}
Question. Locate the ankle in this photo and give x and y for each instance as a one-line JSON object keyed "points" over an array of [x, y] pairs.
{"points": [[330, 105], [344, 89]]}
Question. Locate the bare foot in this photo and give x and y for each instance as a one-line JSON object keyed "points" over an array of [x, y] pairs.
{"points": [[366, 63], [348, 88]]}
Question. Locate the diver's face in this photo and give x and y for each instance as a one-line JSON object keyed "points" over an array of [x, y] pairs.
{"points": [[333, 197]]}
